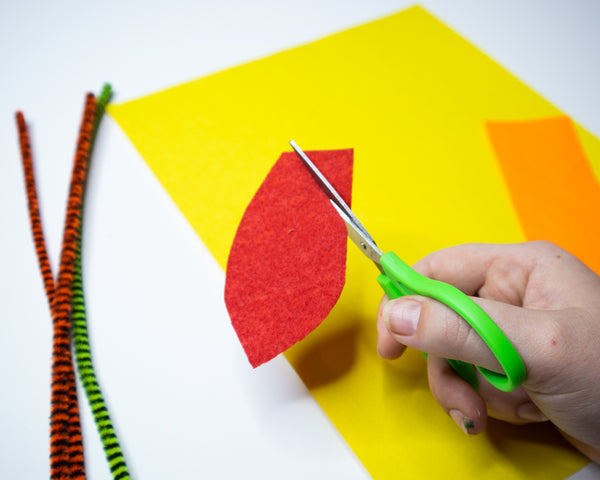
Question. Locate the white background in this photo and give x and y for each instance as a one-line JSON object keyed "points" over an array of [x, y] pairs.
{"points": [[181, 393]]}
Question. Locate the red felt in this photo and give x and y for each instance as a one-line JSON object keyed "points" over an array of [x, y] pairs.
{"points": [[287, 265]]}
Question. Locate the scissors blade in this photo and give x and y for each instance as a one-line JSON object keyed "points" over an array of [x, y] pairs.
{"points": [[364, 242], [357, 233]]}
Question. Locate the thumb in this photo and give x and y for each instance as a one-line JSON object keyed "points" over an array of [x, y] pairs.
{"points": [[430, 326]]}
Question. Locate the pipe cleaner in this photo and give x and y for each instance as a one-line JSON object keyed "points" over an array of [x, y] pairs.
{"points": [[67, 305], [85, 368]]}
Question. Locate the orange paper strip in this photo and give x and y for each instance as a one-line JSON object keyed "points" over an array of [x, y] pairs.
{"points": [[552, 185]]}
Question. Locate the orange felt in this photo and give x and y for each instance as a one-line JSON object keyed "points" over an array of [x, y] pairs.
{"points": [[286, 268], [552, 185]]}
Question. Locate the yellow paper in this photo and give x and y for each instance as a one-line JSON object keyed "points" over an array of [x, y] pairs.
{"points": [[411, 97]]}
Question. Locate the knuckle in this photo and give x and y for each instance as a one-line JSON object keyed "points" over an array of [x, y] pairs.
{"points": [[545, 244], [505, 280], [546, 247]]}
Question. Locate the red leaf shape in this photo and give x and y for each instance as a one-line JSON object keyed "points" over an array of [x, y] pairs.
{"points": [[286, 268]]}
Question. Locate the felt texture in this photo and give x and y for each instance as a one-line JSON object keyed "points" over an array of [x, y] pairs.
{"points": [[287, 265], [551, 182], [411, 97]]}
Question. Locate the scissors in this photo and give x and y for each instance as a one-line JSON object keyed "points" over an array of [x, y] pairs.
{"points": [[398, 279]]}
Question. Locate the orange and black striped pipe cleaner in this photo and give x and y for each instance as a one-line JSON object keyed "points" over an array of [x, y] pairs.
{"points": [[59, 422], [35, 218], [63, 392], [113, 452], [66, 443]]}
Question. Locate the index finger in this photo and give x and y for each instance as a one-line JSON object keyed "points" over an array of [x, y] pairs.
{"points": [[468, 266]]}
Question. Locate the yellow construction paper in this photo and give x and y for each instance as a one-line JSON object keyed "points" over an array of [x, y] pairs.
{"points": [[411, 97]]}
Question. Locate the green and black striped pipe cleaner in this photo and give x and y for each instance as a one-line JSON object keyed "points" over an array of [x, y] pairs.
{"points": [[83, 356]]}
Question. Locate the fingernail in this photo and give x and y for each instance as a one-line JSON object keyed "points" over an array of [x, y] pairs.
{"points": [[531, 413], [464, 422], [401, 317]]}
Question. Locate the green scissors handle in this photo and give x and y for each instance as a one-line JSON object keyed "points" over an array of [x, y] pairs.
{"points": [[399, 279]]}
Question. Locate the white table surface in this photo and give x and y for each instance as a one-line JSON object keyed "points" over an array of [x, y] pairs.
{"points": [[182, 395]]}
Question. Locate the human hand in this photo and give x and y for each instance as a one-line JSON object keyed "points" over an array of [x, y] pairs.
{"points": [[548, 305]]}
